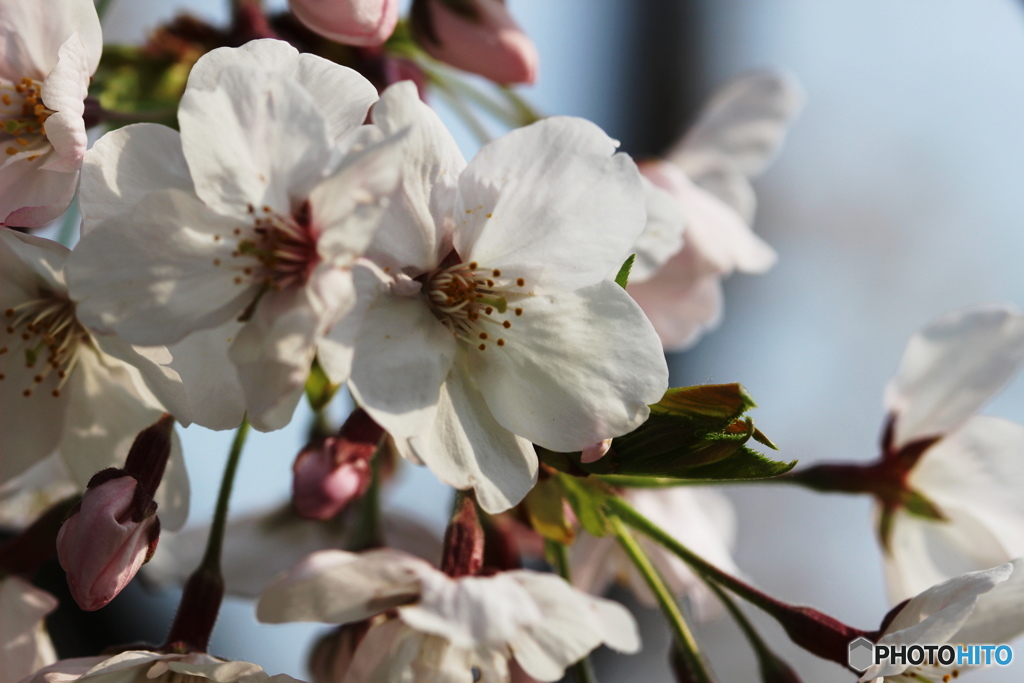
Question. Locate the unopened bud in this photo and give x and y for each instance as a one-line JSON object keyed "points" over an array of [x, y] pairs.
{"points": [[463, 553], [478, 36], [596, 451], [331, 473], [102, 545], [352, 22]]}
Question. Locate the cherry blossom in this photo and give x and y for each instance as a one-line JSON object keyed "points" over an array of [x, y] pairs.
{"points": [[985, 607], [480, 36], [495, 328], [234, 242], [450, 627], [967, 466], [140, 666], [707, 173], [64, 389], [352, 22], [24, 644], [50, 52]]}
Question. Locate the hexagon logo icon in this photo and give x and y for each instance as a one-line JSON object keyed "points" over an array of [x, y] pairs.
{"points": [[861, 654]]}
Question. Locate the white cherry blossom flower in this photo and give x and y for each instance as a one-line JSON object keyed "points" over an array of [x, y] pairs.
{"points": [[140, 666], [63, 389], [233, 243], [983, 607], [701, 519], [707, 174], [50, 52], [24, 643], [445, 626], [970, 467], [497, 328]]}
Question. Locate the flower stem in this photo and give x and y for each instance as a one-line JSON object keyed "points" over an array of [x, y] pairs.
{"points": [[582, 671], [812, 630], [204, 590], [684, 638]]}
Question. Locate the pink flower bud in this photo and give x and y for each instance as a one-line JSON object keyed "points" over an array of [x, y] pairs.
{"points": [[327, 477], [102, 545], [353, 22], [483, 38], [331, 473], [595, 452]]}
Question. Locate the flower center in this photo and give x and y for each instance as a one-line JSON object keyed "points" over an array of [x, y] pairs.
{"points": [[284, 249], [473, 302], [23, 117], [45, 335]]}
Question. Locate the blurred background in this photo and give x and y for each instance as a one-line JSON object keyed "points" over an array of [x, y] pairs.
{"points": [[897, 197]]}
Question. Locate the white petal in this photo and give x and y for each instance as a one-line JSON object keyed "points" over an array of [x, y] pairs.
{"points": [[472, 611], [663, 233], [335, 350], [973, 475], [257, 140], [467, 448], [413, 232], [64, 91], [29, 426], [273, 352], [719, 234], [105, 415], [24, 644], [550, 203], [737, 135], [998, 616], [952, 367], [33, 196], [33, 33], [574, 624], [575, 368], [127, 164], [936, 613], [339, 587], [346, 207], [158, 272], [681, 304], [151, 363], [386, 654], [402, 356], [342, 94], [210, 379]]}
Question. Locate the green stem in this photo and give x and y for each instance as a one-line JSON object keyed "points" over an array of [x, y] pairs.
{"points": [[204, 589], [211, 558], [684, 637], [772, 668], [525, 111], [368, 527], [582, 671]]}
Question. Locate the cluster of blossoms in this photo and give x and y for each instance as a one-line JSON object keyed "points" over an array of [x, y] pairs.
{"points": [[502, 321]]}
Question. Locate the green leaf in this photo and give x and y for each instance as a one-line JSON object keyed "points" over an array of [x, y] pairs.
{"points": [[622, 278], [692, 433]]}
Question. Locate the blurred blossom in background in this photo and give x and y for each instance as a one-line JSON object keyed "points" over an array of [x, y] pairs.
{"points": [[894, 200]]}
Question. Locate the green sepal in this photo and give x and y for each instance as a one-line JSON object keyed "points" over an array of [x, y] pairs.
{"points": [[319, 389], [919, 506], [586, 497], [546, 512], [622, 277]]}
